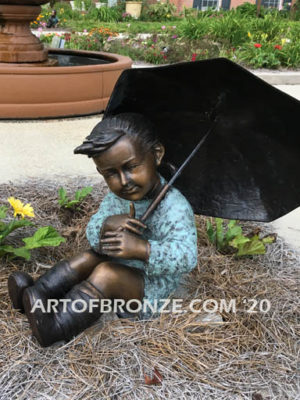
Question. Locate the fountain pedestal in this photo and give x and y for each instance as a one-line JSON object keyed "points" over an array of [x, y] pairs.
{"points": [[17, 43], [68, 83]]}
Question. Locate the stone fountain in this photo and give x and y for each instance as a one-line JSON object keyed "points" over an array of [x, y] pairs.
{"points": [[37, 83]]}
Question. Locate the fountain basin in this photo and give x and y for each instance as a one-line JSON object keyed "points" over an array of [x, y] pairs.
{"points": [[69, 89]]}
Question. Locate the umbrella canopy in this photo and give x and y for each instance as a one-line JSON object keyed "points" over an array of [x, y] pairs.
{"points": [[248, 167]]}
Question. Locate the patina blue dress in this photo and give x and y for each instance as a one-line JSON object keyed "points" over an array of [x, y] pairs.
{"points": [[172, 235]]}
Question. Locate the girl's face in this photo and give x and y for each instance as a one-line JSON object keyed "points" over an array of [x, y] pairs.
{"points": [[129, 171]]}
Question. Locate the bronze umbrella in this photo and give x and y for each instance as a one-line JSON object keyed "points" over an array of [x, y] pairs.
{"points": [[248, 167]]}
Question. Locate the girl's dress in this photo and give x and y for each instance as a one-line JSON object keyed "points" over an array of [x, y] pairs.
{"points": [[172, 234]]}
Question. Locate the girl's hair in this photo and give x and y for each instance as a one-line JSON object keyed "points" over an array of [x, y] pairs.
{"points": [[111, 129]]}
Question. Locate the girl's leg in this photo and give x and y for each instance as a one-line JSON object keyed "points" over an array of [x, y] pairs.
{"points": [[109, 280], [118, 281], [56, 281]]}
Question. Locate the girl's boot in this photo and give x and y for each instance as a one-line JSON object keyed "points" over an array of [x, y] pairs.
{"points": [[56, 282], [78, 310]]}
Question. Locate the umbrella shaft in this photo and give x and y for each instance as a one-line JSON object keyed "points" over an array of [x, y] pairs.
{"points": [[155, 202]]}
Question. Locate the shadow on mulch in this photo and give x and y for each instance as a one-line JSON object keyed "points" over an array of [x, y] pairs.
{"points": [[242, 355]]}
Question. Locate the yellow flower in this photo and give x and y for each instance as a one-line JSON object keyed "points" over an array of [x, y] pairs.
{"points": [[249, 35], [283, 41], [20, 209]]}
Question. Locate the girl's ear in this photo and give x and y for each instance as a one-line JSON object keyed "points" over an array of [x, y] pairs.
{"points": [[159, 152]]}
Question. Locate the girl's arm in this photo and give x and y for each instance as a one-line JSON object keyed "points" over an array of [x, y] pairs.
{"points": [[108, 207], [106, 223], [176, 251]]}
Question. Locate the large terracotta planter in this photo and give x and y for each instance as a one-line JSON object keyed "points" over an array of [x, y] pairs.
{"points": [[134, 8], [39, 91]]}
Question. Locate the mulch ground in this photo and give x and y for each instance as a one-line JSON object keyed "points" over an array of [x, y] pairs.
{"points": [[240, 355]]}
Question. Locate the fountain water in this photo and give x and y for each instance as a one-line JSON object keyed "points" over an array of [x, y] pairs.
{"points": [[35, 83]]}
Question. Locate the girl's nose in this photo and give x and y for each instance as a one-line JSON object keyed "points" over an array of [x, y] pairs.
{"points": [[123, 178]]}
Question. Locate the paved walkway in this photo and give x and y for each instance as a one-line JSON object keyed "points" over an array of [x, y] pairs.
{"points": [[44, 149]]}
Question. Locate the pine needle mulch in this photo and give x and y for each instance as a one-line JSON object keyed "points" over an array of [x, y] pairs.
{"points": [[242, 355]]}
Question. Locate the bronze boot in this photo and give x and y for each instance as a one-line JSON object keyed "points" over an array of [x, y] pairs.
{"points": [[18, 281], [53, 284], [66, 320]]}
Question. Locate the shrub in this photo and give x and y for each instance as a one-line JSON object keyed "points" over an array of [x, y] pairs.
{"points": [[193, 28], [109, 14], [93, 41], [230, 29], [64, 9], [163, 48], [159, 12], [247, 9], [230, 238], [65, 202]]}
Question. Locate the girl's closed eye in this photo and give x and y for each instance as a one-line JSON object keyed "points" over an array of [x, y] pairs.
{"points": [[131, 167], [109, 174]]}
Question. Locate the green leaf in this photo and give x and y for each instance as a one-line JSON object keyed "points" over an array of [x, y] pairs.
{"points": [[232, 233], [238, 241], [62, 196], [219, 233], [254, 246], [231, 223], [46, 236], [2, 226], [82, 193], [22, 252], [269, 238], [71, 204], [13, 225], [3, 211], [210, 232], [16, 252]]}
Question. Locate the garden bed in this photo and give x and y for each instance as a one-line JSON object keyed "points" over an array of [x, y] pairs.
{"points": [[268, 41], [240, 357]]}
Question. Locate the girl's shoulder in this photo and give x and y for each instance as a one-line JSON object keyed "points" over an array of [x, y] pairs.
{"points": [[176, 203]]}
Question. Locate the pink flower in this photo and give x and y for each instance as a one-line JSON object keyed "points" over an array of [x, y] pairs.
{"points": [[257, 45], [163, 27], [174, 36], [85, 30], [40, 29]]}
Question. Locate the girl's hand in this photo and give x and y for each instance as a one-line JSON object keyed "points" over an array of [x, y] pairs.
{"points": [[123, 244], [122, 222]]}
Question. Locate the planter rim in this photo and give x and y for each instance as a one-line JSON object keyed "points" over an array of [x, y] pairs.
{"points": [[117, 61]]}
